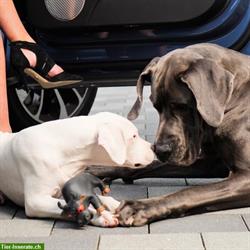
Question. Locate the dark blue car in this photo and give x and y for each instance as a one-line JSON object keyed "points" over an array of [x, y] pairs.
{"points": [[109, 42]]}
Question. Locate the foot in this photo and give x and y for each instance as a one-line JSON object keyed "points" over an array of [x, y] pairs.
{"points": [[133, 213], [31, 56]]}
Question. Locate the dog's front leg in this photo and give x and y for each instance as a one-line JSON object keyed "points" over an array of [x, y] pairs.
{"points": [[206, 168], [233, 192], [109, 172]]}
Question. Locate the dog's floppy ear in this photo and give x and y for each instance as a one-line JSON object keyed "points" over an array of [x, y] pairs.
{"points": [[112, 140], [212, 86], [144, 76]]}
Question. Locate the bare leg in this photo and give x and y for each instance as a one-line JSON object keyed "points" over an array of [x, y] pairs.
{"points": [[4, 114], [15, 31], [11, 24], [233, 192]]}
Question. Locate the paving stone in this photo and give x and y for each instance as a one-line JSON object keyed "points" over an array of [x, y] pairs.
{"points": [[200, 223], [246, 218], [151, 116], [140, 117], [114, 105], [25, 228], [140, 127], [202, 181], [7, 211], [240, 211], [151, 242], [119, 230], [158, 191], [151, 128], [150, 138], [20, 214], [126, 108], [160, 182], [96, 110], [69, 241], [60, 226], [128, 192], [227, 241], [100, 102], [113, 109]]}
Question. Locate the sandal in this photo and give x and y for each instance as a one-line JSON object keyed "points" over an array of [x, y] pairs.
{"points": [[43, 66]]}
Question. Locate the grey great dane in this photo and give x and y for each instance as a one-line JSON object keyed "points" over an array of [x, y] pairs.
{"points": [[202, 95]]}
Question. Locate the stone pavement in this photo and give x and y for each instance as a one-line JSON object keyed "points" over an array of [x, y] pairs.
{"points": [[225, 230]]}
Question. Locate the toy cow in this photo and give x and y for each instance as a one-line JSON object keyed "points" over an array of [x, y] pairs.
{"points": [[79, 193]]}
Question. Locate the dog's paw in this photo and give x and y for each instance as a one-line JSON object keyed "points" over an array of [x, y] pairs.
{"points": [[2, 198], [133, 213], [109, 220], [106, 219]]}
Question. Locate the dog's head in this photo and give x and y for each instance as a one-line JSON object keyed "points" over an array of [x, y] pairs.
{"points": [[75, 209], [190, 94], [118, 142]]}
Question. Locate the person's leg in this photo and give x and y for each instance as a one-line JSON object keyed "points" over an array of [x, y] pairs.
{"points": [[12, 26], [4, 114]]}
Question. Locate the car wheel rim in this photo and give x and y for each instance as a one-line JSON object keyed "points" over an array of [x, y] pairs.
{"points": [[46, 105]]}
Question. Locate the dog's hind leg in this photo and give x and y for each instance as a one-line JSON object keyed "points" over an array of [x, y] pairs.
{"points": [[43, 206], [40, 201]]}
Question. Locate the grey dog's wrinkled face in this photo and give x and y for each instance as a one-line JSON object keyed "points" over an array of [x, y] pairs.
{"points": [[190, 93], [179, 134]]}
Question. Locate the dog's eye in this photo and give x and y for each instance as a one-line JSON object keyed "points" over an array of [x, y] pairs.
{"points": [[134, 136]]}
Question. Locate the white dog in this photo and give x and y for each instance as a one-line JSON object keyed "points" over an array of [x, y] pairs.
{"points": [[37, 161]]}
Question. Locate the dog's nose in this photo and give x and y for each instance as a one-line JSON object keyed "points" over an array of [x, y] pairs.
{"points": [[162, 150]]}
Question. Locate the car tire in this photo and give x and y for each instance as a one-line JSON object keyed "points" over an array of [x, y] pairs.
{"points": [[23, 105]]}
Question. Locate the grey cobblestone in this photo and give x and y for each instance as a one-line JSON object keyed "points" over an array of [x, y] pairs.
{"points": [[154, 182], [202, 181], [227, 241], [63, 241], [200, 223], [70, 227], [7, 211], [25, 228], [246, 218], [121, 192], [151, 242], [158, 191]]}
